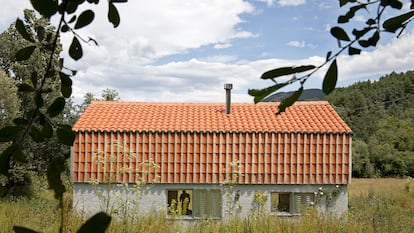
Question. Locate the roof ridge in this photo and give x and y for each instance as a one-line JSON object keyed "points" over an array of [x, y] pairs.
{"points": [[311, 102]]}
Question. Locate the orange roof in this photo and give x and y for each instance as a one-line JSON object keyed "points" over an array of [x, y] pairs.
{"points": [[310, 116]]}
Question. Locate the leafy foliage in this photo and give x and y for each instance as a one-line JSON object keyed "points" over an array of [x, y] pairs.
{"points": [[384, 19], [381, 116], [39, 72]]}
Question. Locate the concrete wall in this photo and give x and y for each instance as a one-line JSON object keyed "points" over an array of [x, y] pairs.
{"points": [[89, 199]]}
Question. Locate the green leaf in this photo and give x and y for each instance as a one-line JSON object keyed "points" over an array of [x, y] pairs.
{"points": [[18, 155], [24, 87], [47, 90], [72, 19], [353, 51], [289, 101], [9, 133], [41, 118], [364, 43], [97, 223], [66, 85], [5, 163], [25, 53], [360, 33], [40, 33], [331, 77], [286, 71], [339, 34], [65, 135], [47, 130], [351, 13], [328, 55], [18, 229], [20, 121], [394, 23], [75, 49], [54, 171], [64, 28], [39, 100], [84, 19], [371, 22], [396, 4], [374, 39], [56, 107], [93, 1], [343, 19], [343, 2], [113, 15], [22, 30], [33, 78], [47, 8], [16, 152], [259, 95], [36, 135]]}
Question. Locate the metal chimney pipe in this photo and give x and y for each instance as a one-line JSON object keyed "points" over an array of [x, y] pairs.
{"points": [[228, 87]]}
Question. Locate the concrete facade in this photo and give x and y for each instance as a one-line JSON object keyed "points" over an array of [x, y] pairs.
{"points": [[90, 199]]}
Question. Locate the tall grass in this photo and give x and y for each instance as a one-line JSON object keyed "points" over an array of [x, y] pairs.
{"points": [[375, 205]]}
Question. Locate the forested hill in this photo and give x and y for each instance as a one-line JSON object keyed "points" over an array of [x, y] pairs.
{"points": [[381, 115]]}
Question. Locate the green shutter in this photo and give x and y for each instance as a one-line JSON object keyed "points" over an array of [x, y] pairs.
{"points": [[214, 204], [274, 202], [297, 203], [199, 203], [207, 203]]}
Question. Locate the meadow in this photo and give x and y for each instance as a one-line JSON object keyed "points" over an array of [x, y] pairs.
{"points": [[375, 205]]}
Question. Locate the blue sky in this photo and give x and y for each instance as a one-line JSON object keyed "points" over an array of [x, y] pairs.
{"points": [[184, 51]]}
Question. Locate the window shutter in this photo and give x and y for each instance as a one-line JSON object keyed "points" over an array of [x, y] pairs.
{"points": [[308, 199], [214, 204], [297, 203], [274, 201], [199, 203]]}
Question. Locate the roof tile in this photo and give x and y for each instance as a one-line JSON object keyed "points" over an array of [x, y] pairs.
{"points": [[307, 116]]}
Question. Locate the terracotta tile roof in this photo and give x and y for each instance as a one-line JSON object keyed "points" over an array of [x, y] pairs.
{"points": [[310, 116]]}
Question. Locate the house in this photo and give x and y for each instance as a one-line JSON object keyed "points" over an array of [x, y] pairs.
{"points": [[209, 160]]}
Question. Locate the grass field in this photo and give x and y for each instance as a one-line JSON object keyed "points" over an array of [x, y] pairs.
{"points": [[375, 205]]}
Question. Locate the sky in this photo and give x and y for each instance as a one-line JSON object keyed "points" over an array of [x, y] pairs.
{"points": [[185, 51]]}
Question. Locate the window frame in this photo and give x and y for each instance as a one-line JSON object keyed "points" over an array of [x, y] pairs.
{"points": [[204, 203], [299, 202]]}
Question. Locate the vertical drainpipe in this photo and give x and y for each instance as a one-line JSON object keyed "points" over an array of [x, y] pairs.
{"points": [[228, 87]]}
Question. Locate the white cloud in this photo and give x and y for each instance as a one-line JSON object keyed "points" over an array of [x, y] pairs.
{"points": [[291, 2], [154, 29], [127, 58], [296, 43], [394, 56], [301, 44], [222, 45], [268, 2]]}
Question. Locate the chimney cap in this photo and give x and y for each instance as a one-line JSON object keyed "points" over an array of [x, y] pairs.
{"points": [[228, 86]]}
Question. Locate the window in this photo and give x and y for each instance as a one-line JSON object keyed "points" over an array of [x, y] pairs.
{"points": [[198, 203], [179, 202], [280, 202], [291, 203]]}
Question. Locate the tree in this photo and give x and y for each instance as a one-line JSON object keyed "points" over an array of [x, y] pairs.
{"points": [[364, 37], [381, 116], [9, 103], [38, 124], [110, 95], [24, 73], [9, 109]]}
